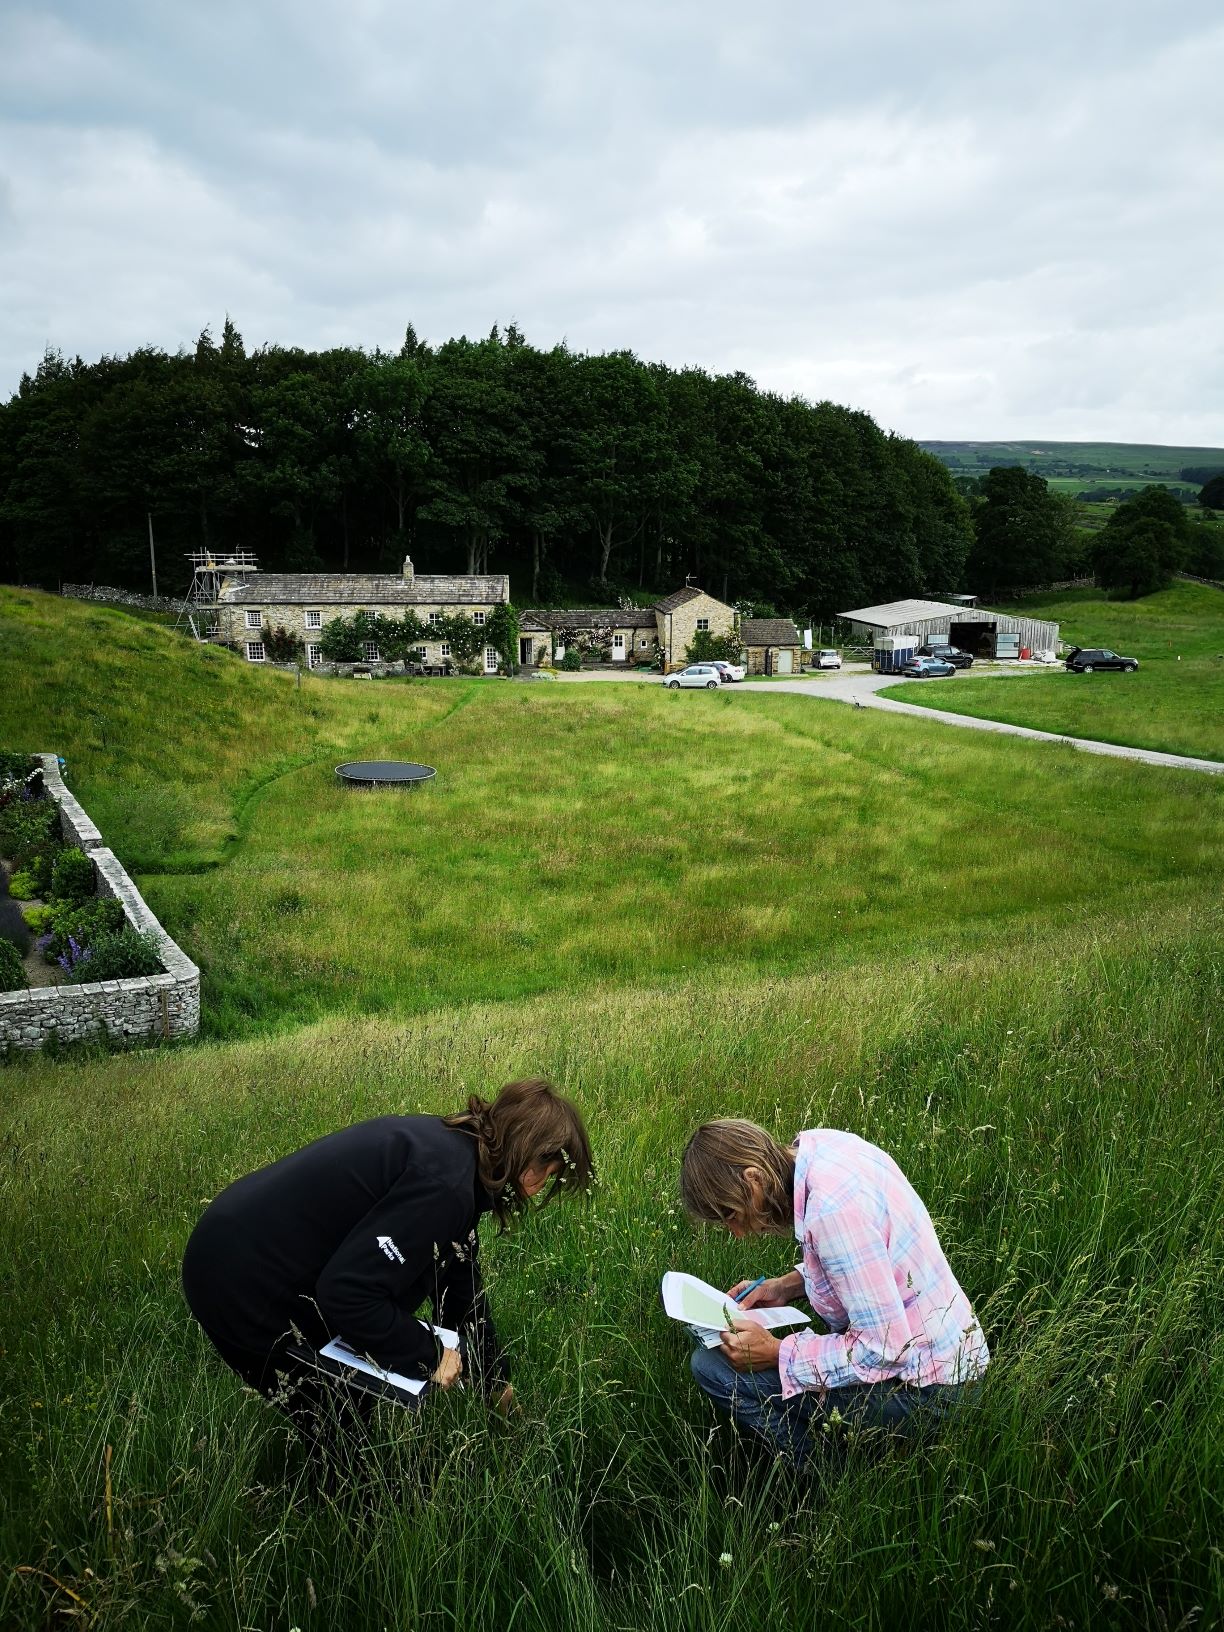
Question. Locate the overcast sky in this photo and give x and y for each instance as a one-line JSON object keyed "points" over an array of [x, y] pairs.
{"points": [[973, 218]]}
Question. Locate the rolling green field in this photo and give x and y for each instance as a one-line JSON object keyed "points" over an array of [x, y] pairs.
{"points": [[998, 960], [1174, 702], [1082, 467]]}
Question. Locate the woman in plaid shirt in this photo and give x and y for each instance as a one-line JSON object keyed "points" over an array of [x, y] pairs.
{"points": [[902, 1339]]}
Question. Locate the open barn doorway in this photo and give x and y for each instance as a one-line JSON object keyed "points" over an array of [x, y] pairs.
{"points": [[978, 638]]}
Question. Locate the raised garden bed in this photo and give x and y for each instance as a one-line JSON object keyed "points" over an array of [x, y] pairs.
{"points": [[85, 918]]}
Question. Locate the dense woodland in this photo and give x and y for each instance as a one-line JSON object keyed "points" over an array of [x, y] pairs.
{"points": [[577, 475], [581, 476]]}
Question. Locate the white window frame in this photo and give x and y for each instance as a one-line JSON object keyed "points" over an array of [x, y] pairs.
{"points": [[478, 619], [314, 620], [703, 626], [254, 620], [643, 644], [421, 653], [371, 651], [490, 659], [618, 643], [435, 617], [444, 649], [314, 657], [256, 651]]}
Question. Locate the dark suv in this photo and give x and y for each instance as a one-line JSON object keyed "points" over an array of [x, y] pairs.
{"points": [[1083, 659], [946, 654]]}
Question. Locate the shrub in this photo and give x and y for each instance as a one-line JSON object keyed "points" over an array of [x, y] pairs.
{"points": [[115, 955], [23, 886], [572, 660], [707, 647], [37, 919], [12, 973], [28, 826], [84, 924], [15, 767], [281, 646], [72, 876]]}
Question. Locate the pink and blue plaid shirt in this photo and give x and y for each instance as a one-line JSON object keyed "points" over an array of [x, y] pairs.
{"points": [[874, 1271]]}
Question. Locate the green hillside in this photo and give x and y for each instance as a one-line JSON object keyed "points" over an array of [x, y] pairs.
{"points": [[998, 960], [1083, 467]]}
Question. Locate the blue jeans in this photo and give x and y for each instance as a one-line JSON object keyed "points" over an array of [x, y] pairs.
{"points": [[798, 1426]]}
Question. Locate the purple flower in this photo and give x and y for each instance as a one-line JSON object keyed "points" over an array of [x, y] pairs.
{"points": [[75, 955]]}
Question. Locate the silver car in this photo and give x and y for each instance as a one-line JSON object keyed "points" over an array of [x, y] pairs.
{"points": [[697, 674]]}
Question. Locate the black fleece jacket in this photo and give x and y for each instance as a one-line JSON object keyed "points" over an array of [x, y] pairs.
{"points": [[348, 1238]]}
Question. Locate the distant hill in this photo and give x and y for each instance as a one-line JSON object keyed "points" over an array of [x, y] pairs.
{"points": [[1090, 468]]}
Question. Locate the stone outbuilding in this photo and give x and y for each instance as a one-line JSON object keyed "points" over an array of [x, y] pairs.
{"points": [[302, 603], [771, 646]]}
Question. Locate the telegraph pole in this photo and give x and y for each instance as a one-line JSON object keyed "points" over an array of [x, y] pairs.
{"points": [[152, 557]]}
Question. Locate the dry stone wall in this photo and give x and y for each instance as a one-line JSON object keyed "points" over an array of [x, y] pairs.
{"points": [[144, 1008]]}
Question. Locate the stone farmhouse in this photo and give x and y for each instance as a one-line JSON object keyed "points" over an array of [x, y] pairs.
{"points": [[301, 603], [635, 634], [251, 603]]}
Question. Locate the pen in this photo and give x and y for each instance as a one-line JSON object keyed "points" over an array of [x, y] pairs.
{"points": [[751, 1287]]}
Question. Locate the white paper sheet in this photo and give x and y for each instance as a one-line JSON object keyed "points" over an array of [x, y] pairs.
{"points": [[707, 1311], [339, 1350]]}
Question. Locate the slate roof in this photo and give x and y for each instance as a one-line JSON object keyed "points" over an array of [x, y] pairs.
{"points": [[769, 632], [593, 617], [678, 597], [364, 589], [895, 612]]}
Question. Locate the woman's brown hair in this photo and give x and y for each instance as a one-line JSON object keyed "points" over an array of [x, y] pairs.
{"points": [[529, 1124], [712, 1184]]}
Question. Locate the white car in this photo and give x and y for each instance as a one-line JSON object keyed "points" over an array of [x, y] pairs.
{"points": [[697, 674], [729, 671], [827, 658]]}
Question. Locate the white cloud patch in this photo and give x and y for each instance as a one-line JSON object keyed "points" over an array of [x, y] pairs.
{"points": [[971, 221]]}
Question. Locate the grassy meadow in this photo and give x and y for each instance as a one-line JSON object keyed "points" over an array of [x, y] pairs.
{"points": [[1174, 702], [999, 961]]}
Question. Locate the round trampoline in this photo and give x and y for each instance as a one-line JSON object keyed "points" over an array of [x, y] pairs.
{"points": [[384, 773]]}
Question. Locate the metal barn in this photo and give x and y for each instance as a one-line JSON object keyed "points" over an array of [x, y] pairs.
{"points": [[974, 629]]}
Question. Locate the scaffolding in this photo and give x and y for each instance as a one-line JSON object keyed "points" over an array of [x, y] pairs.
{"points": [[201, 602]]}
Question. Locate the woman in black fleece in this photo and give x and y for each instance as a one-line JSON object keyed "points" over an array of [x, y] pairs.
{"points": [[350, 1236]]}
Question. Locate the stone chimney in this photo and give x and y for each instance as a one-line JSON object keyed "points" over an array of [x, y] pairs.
{"points": [[408, 572]]}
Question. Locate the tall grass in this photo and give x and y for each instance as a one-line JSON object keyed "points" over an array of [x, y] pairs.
{"points": [[1062, 1116]]}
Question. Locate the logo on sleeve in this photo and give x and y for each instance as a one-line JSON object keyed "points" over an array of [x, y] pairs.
{"points": [[389, 1249]]}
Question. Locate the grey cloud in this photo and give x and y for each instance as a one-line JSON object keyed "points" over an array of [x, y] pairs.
{"points": [[978, 219]]}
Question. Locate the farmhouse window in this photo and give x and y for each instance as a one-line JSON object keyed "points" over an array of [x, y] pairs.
{"points": [[254, 620], [314, 620], [255, 651], [618, 643], [420, 654], [445, 650], [478, 619], [643, 644], [371, 652], [314, 656], [703, 624], [435, 617]]}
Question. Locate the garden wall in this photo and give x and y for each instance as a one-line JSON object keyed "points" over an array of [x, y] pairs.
{"points": [[107, 595], [127, 1011]]}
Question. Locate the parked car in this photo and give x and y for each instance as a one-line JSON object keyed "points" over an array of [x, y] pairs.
{"points": [[826, 658], [1083, 659], [542, 674], [927, 668], [697, 674], [946, 654], [728, 671]]}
